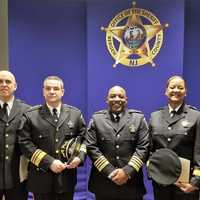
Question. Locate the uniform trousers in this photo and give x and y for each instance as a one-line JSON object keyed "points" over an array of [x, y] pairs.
{"points": [[172, 192], [53, 196], [17, 193]]}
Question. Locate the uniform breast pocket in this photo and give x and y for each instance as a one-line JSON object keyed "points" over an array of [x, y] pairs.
{"points": [[104, 139], [157, 132], [184, 136], [129, 140], [129, 143], [105, 144], [69, 134], [42, 136]]}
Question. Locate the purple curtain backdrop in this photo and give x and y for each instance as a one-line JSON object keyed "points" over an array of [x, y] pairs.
{"points": [[64, 38]]}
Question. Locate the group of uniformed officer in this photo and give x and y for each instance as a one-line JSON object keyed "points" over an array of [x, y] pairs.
{"points": [[54, 139]]}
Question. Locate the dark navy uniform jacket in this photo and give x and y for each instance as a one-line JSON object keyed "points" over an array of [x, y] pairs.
{"points": [[41, 138], [112, 145], [181, 133], [9, 148]]}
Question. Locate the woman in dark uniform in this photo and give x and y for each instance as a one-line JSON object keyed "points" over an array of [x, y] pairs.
{"points": [[177, 127]]}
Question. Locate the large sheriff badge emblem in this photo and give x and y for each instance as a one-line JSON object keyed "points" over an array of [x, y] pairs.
{"points": [[134, 37]]}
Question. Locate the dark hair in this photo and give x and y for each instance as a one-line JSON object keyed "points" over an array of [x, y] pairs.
{"points": [[174, 77]]}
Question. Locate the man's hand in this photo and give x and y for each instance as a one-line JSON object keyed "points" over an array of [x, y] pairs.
{"points": [[57, 166], [74, 163], [186, 187], [119, 177]]}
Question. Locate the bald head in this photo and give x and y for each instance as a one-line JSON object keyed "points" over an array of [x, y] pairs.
{"points": [[7, 85], [117, 88], [9, 74], [117, 99]]}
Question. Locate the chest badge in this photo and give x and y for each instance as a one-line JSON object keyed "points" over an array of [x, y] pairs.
{"points": [[132, 129], [70, 124], [185, 123]]}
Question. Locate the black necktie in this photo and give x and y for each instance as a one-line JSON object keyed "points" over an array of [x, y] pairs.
{"points": [[117, 118], [172, 113], [55, 115], [5, 111]]}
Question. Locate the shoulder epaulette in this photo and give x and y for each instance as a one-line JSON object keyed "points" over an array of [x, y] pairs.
{"points": [[19, 100], [159, 109], [134, 111], [34, 108], [71, 107], [100, 112], [193, 107]]}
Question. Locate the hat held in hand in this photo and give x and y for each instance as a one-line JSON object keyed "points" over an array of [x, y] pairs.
{"points": [[71, 148], [164, 166]]}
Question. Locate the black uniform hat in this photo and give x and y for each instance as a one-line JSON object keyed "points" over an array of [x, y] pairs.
{"points": [[164, 166], [71, 148]]}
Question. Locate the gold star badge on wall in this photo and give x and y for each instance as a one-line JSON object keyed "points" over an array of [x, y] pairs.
{"points": [[134, 37]]}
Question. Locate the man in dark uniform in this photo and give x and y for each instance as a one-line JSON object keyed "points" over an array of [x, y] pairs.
{"points": [[10, 114], [177, 127], [117, 143], [44, 130]]}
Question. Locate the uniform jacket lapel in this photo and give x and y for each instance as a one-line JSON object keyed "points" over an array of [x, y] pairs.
{"points": [[178, 116], [165, 115], [123, 120], [110, 121], [64, 114], [46, 115], [14, 111], [117, 126], [2, 115]]}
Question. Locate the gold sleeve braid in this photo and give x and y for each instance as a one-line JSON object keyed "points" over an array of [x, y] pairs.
{"points": [[101, 163], [135, 162], [37, 157]]}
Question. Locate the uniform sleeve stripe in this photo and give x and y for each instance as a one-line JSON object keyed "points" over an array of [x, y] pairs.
{"points": [[101, 163], [34, 156], [136, 167], [37, 157], [137, 159], [136, 163], [98, 160]]}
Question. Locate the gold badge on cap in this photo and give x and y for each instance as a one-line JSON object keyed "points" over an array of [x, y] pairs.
{"points": [[132, 129], [185, 123]]}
